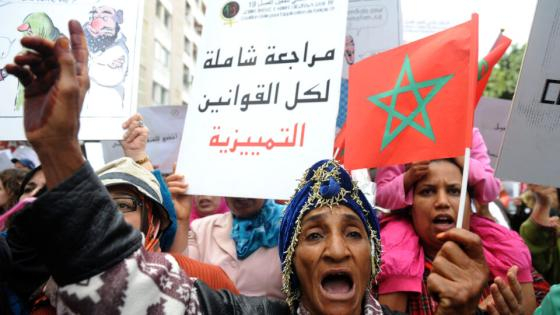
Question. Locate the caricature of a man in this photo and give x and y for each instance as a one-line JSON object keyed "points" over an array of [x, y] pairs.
{"points": [[108, 65]]}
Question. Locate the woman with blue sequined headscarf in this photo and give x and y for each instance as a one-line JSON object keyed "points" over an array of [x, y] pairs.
{"points": [[329, 245]]}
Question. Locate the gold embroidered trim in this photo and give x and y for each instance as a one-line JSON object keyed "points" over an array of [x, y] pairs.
{"points": [[315, 198]]}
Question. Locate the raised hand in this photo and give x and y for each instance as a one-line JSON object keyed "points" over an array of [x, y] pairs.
{"points": [[135, 138], [459, 273], [182, 202], [506, 299], [55, 77], [414, 172]]}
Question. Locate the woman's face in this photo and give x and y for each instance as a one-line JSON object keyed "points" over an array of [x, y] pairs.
{"points": [[332, 261], [436, 204], [4, 196], [207, 205], [35, 184], [129, 203], [245, 208]]}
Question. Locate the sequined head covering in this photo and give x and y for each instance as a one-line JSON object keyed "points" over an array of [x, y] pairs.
{"points": [[325, 184]]}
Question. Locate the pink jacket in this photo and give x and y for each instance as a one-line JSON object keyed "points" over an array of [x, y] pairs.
{"points": [[390, 186], [403, 258], [258, 274]]}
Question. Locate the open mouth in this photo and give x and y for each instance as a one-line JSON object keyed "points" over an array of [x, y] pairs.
{"points": [[337, 285], [443, 222]]}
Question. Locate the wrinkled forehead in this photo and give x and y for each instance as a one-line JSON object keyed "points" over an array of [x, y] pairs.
{"points": [[337, 215], [103, 11]]}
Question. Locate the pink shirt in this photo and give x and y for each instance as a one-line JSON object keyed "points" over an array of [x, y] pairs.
{"points": [[257, 275], [390, 186], [403, 265]]}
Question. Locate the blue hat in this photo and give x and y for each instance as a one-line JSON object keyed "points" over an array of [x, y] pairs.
{"points": [[325, 184], [25, 162]]}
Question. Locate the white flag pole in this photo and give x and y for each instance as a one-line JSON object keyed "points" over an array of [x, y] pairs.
{"points": [[336, 153], [464, 183]]}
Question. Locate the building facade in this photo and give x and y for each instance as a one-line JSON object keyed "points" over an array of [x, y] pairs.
{"points": [[170, 43]]}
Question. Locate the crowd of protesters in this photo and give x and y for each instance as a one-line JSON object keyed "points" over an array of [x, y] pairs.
{"points": [[128, 239]]}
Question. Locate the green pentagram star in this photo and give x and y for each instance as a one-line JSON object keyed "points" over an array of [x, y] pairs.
{"points": [[415, 87]]}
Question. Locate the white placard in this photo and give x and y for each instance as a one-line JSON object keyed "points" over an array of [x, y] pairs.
{"points": [[372, 26], [267, 93], [531, 144], [5, 160], [166, 129], [427, 17], [490, 118], [94, 153], [113, 29]]}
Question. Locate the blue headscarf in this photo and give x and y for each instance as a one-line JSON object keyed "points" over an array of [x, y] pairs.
{"points": [[325, 184], [260, 231]]}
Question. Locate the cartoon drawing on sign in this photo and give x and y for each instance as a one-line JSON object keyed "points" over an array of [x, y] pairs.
{"points": [[5, 47], [35, 24], [108, 64], [349, 50]]}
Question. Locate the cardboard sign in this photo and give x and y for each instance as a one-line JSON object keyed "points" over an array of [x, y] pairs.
{"points": [[267, 93], [491, 118], [5, 160], [531, 144], [166, 129], [113, 31]]}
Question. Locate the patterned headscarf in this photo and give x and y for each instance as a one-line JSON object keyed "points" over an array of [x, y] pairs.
{"points": [[325, 184]]}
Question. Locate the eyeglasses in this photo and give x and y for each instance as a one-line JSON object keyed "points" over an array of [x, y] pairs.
{"points": [[126, 204]]}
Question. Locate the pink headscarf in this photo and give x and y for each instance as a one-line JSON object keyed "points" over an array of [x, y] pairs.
{"points": [[195, 214]]}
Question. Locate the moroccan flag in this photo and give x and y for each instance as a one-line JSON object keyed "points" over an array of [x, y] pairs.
{"points": [[414, 102], [486, 65]]}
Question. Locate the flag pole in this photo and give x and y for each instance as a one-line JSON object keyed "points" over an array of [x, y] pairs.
{"points": [[464, 182], [336, 153]]}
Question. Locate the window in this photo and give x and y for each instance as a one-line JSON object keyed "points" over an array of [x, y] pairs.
{"points": [[160, 95], [188, 46], [187, 9], [161, 54], [203, 8], [197, 27], [163, 14], [194, 52], [186, 77]]}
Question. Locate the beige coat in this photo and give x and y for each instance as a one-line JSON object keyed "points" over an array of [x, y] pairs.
{"points": [[210, 242]]}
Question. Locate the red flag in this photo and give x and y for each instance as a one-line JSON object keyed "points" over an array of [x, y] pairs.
{"points": [[486, 65], [414, 102]]}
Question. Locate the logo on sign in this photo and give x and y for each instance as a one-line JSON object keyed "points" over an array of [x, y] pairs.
{"points": [[230, 10]]}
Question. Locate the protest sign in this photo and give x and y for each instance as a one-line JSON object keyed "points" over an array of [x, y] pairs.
{"points": [[267, 93], [5, 160], [372, 26], [530, 149], [166, 129], [94, 154], [113, 33], [427, 17], [490, 118]]}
